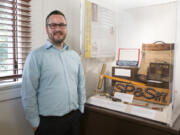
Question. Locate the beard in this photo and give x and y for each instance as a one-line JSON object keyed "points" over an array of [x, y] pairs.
{"points": [[57, 38]]}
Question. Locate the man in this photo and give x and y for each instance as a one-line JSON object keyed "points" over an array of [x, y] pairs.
{"points": [[53, 87]]}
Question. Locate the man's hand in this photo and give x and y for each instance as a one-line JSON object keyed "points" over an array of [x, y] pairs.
{"points": [[35, 129]]}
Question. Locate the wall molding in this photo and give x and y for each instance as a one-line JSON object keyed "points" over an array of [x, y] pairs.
{"points": [[10, 92]]}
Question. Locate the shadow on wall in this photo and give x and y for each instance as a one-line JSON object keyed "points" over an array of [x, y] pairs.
{"points": [[12, 119], [8, 128]]}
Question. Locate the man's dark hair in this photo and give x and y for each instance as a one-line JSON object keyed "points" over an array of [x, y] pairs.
{"points": [[55, 12]]}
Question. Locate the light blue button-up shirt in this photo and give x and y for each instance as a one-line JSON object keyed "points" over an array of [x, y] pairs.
{"points": [[53, 83]]}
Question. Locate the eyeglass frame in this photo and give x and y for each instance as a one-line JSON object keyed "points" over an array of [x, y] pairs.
{"points": [[55, 25]]}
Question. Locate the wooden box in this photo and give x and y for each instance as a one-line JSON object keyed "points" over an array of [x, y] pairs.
{"points": [[124, 72], [160, 72]]}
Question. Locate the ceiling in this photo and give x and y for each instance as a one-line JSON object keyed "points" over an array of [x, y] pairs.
{"points": [[128, 4]]}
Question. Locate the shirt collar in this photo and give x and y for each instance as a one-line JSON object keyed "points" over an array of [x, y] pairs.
{"points": [[49, 45]]}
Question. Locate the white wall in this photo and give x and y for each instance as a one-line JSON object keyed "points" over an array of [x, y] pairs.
{"points": [[147, 24], [12, 119]]}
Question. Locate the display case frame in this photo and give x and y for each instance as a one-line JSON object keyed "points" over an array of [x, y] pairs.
{"points": [[168, 112]]}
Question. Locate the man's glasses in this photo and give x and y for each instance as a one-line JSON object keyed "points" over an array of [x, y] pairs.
{"points": [[55, 25]]}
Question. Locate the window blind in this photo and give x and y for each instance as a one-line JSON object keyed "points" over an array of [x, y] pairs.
{"points": [[15, 38]]}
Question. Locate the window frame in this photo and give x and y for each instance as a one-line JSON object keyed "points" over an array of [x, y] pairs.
{"points": [[15, 43]]}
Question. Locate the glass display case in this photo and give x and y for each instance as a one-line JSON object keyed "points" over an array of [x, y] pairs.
{"points": [[142, 37]]}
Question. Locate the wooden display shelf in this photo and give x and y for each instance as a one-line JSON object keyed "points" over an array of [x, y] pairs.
{"points": [[101, 121]]}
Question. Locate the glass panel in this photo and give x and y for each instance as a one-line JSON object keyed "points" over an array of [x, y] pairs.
{"points": [[6, 21], [6, 10], [6, 4], [4, 59], [20, 35], [141, 79], [6, 16]]}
